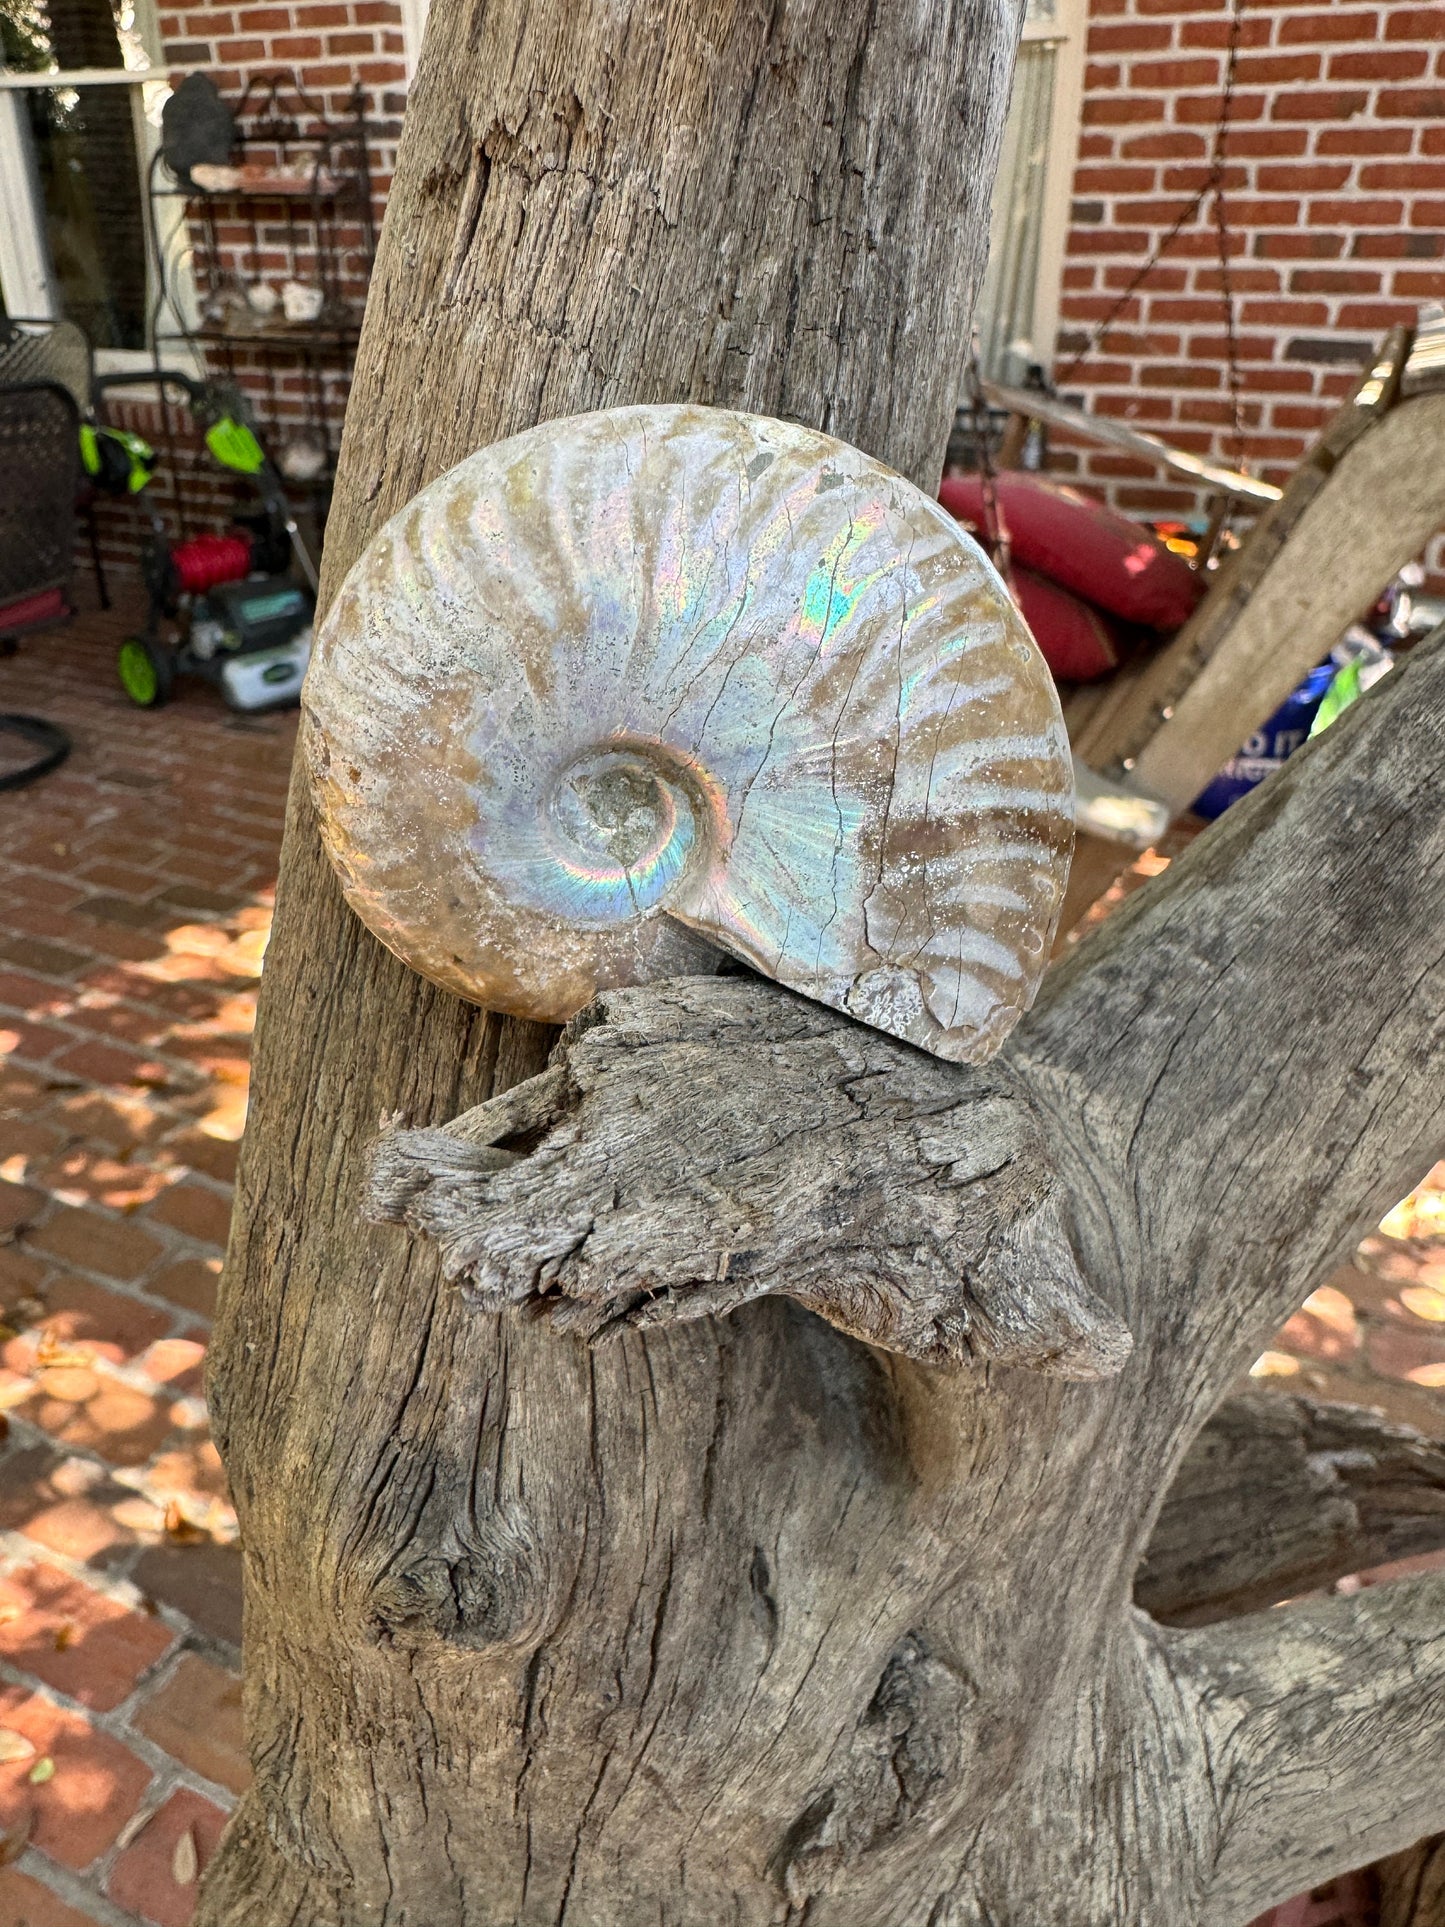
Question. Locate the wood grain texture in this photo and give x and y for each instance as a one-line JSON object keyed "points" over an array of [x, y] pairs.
{"points": [[739, 1619], [1278, 1496], [699, 1144]]}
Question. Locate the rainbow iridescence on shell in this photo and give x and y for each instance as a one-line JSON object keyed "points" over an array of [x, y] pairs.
{"points": [[637, 683]]}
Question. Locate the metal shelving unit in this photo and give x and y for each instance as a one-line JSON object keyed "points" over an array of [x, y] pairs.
{"points": [[291, 206]]}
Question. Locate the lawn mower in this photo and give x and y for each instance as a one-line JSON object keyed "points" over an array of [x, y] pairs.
{"points": [[236, 608]]}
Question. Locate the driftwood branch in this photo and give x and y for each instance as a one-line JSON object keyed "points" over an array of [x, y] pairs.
{"points": [[1278, 1496], [1244, 1061], [1327, 1724], [701, 1143], [1412, 1885]]}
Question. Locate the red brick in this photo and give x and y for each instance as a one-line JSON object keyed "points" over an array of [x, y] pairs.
{"points": [[1415, 23], [75, 1639], [1207, 107], [1336, 104], [1334, 281], [143, 1879], [34, 1043], [1287, 415], [100, 1063], [1254, 30], [33, 953], [202, 1581], [1156, 213], [1310, 178], [1288, 314], [1363, 140], [26, 1903], [1250, 143], [95, 1788], [19, 1206], [1357, 213], [1098, 77], [1427, 287], [1177, 375], [191, 1283], [1398, 247], [1184, 308], [1176, 144], [64, 1504], [95, 1243], [1380, 63], [195, 1210], [1403, 174], [1410, 103], [1170, 74], [29, 995], [196, 1717], [1397, 1352], [122, 877], [1297, 247], [1274, 67], [104, 1324], [1129, 36], [1377, 315], [1336, 24], [97, 1413], [1116, 111]]}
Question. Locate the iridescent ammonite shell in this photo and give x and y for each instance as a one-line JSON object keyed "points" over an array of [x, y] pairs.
{"points": [[653, 679]]}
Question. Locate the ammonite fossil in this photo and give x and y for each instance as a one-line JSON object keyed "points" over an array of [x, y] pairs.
{"points": [[641, 682]]}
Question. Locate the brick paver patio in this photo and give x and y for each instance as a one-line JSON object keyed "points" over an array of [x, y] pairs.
{"points": [[135, 890], [134, 905]]}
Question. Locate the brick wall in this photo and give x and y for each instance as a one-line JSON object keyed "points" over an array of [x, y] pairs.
{"points": [[331, 47], [1334, 202]]}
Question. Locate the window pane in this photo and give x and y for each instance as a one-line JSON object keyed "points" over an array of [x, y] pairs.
{"points": [[84, 159], [84, 142]]}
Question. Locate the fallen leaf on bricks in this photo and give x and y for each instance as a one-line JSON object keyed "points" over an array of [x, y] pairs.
{"points": [[185, 1861], [43, 1770], [179, 1527], [14, 1746]]}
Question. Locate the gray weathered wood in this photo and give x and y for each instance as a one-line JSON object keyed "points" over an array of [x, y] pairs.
{"points": [[1280, 1495], [702, 1143], [739, 1619]]}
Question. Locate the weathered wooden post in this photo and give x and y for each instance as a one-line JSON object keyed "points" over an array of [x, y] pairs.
{"points": [[741, 1617]]}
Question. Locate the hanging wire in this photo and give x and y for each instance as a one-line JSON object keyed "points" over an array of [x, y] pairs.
{"points": [[1213, 184]]}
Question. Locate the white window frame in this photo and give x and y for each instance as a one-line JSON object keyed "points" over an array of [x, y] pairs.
{"points": [[1066, 23], [1061, 25], [25, 270], [413, 26]]}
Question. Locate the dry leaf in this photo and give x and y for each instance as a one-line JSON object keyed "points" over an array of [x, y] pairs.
{"points": [[9, 1613], [14, 1746], [185, 1861], [50, 1352], [179, 1527], [137, 1821], [64, 1636], [43, 1770]]}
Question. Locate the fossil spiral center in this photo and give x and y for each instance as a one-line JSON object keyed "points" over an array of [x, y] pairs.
{"points": [[624, 825]]}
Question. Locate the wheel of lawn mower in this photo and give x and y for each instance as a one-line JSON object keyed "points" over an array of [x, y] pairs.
{"points": [[147, 671]]}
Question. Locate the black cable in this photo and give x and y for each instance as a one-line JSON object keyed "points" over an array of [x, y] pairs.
{"points": [[1213, 184], [52, 741]]}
